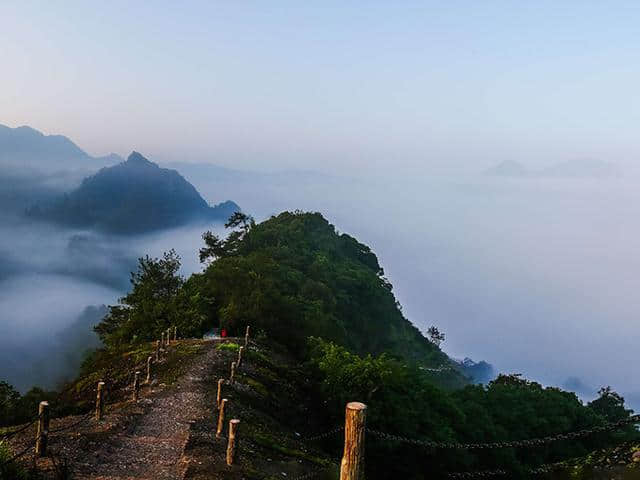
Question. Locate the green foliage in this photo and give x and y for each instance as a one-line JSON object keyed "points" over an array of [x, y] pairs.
{"points": [[610, 405], [401, 400], [228, 347], [16, 409], [11, 471], [323, 295], [151, 306], [294, 276], [9, 399]]}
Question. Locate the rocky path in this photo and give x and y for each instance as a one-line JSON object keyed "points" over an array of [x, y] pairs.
{"points": [[142, 441], [151, 445]]}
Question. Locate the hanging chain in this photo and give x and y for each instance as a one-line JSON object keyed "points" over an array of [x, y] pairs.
{"points": [[534, 442]]}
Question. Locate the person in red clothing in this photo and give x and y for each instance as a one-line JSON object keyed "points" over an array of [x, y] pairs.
{"points": [[223, 333]]}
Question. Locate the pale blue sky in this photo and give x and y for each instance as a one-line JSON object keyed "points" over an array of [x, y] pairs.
{"points": [[416, 86]]}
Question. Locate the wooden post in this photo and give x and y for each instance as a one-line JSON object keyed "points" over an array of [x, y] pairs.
{"points": [[219, 395], [239, 357], [231, 445], [149, 360], [168, 336], [175, 334], [162, 339], [223, 404], [100, 401], [352, 467], [233, 373], [136, 386], [246, 336], [43, 429], [157, 350]]}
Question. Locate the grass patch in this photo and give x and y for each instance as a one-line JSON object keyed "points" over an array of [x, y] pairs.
{"points": [[12, 471], [256, 385], [272, 443], [228, 347]]}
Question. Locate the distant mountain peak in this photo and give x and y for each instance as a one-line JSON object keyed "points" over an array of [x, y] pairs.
{"points": [[508, 168], [134, 196], [137, 158], [25, 147]]}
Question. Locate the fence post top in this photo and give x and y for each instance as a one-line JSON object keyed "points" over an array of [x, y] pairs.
{"points": [[44, 403], [101, 383], [235, 421], [356, 406]]}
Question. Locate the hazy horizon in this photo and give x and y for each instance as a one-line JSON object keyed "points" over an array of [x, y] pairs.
{"points": [[394, 111], [412, 88]]}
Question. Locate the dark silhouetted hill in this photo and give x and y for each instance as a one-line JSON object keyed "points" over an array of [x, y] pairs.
{"points": [[134, 196]]}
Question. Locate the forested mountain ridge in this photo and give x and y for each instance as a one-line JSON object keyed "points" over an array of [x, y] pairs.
{"points": [[320, 297], [132, 197]]}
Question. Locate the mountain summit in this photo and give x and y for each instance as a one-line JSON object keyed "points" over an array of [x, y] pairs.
{"points": [[25, 147], [134, 196]]}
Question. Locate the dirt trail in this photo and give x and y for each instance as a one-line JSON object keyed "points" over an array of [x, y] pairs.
{"points": [[143, 441], [151, 445]]}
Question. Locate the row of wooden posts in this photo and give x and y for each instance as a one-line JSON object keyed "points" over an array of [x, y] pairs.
{"points": [[221, 405], [351, 467], [42, 431]]}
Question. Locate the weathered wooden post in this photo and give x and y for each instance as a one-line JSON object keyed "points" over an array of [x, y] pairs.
{"points": [[223, 404], [149, 360], [246, 336], [219, 395], [168, 337], [162, 339], [233, 373], [136, 386], [231, 444], [43, 429], [157, 350], [352, 466], [239, 357], [175, 334], [100, 401]]}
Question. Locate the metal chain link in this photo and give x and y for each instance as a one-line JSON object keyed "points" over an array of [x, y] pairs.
{"points": [[322, 435], [534, 442], [84, 419], [478, 474], [541, 470], [17, 455], [441, 368], [7, 436], [314, 472]]}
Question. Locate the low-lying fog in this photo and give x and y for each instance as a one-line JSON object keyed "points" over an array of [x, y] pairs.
{"points": [[48, 278], [536, 276]]}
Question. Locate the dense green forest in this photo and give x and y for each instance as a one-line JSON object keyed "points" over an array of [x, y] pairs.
{"points": [[323, 296]]}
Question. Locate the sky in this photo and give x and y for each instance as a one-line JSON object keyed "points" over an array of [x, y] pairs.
{"points": [[534, 275], [357, 87]]}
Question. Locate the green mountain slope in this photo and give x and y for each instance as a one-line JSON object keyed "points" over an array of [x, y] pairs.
{"points": [[295, 276]]}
